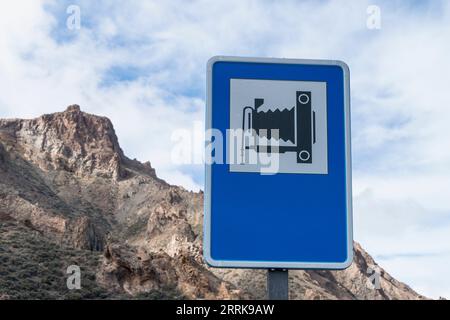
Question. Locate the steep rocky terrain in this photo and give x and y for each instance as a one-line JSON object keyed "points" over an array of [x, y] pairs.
{"points": [[69, 195]]}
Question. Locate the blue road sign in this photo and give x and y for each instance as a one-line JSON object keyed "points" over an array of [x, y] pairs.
{"points": [[278, 182]]}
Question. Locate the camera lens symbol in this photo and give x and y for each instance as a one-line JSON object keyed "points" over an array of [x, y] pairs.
{"points": [[303, 98], [304, 155]]}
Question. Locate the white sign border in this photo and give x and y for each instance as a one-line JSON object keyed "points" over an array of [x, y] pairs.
{"points": [[207, 196]]}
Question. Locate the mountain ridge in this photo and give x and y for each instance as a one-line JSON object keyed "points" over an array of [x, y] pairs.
{"points": [[65, 180]]}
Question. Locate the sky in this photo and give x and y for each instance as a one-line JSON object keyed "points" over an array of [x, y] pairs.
{"points": [[143, 65]]}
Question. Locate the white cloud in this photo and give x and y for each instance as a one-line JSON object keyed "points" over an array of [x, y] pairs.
{"points": [[400, 77]]}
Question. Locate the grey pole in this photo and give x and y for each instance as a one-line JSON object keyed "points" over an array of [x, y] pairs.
{"points": [[278, 284]]}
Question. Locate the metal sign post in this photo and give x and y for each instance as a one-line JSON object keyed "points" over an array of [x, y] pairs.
{"points": [[278, 284]]}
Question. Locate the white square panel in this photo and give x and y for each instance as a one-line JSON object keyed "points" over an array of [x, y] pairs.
{"points": [[296, 111]]}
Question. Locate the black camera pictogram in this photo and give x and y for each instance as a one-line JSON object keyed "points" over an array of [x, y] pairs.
{"points": [[296, 125]]}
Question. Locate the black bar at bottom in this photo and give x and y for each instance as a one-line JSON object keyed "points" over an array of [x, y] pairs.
{"points": [[278, 284]]}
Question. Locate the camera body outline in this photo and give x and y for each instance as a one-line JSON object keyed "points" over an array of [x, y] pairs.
{"points": [[304, 123]]}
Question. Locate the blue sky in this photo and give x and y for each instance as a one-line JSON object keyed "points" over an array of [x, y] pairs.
{"points": [[142, 64]]}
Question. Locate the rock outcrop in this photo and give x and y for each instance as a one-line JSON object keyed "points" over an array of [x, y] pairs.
{"points": [[135, 271], [64, 177]]}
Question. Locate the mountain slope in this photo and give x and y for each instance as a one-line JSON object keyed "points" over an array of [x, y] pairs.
{"points": [[68, 190]]}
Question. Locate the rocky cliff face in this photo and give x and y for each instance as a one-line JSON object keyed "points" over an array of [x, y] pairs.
{"points": [[65, 181]]}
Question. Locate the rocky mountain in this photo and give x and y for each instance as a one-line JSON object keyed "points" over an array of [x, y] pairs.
{"points": [[69, 195]]}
